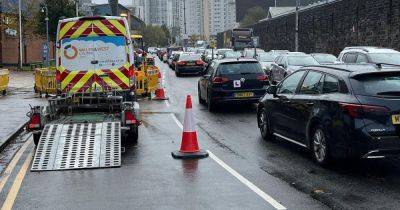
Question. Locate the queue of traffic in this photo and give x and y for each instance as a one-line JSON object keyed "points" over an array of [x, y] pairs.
{"points": [[337, 107]]}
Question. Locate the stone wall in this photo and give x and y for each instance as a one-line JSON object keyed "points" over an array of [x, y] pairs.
{"points": [[333, 26]]}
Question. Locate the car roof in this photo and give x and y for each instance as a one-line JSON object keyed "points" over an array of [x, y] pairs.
{"points": [[369, 49], [321, 54], [355, 69], [233, 60]]}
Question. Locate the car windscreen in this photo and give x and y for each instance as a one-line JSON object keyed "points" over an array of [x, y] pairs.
{"points": [[389, 58], [266, 57], [301, 61], [382, 84], [240, 68], [325, 58], [192, 57]]}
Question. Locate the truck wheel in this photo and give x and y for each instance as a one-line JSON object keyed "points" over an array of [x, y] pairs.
{"points": [[132, 135], [36, 138], [4, 92]]}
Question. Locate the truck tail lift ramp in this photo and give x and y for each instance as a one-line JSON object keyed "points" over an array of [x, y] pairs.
{"points": [[78, 146]]}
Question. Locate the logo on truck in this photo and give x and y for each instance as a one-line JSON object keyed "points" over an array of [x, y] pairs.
{"points": [[70, 52]]}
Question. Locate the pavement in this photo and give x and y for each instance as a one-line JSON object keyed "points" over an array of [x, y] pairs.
{"points": [[242, 172], [16, 103]]}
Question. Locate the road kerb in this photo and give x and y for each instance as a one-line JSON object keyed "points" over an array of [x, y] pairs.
{"points": [[12, 136]]}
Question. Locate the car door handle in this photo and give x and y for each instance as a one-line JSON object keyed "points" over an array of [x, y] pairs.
{"points": [[287, 102], [310, 103]]}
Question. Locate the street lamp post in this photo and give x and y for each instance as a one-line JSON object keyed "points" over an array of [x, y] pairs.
{"points": [[76, 8], [296, 38], [20, 33]]}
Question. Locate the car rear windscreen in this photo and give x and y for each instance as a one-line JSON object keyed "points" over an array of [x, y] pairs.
{"points": [[385, 84], [193, 57], [240, 68]]}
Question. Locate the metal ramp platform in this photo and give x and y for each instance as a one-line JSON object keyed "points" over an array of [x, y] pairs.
{"points": [[78, 146]]}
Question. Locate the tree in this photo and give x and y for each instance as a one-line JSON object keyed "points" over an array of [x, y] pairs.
{"points": [[166, 32], [253, 15], [58, 9], [154, 35]]}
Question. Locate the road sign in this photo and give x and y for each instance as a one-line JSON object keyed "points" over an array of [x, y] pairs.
{"points": [[255, 40], [45, 52], [212, 44]]}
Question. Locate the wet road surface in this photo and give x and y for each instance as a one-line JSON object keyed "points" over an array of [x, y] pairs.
{"points": [[151, 179]]}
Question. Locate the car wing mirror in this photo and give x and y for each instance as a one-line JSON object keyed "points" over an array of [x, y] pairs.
{"points": [[272, 90]]}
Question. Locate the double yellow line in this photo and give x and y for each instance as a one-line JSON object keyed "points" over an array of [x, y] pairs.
{"points": [[12, 194]]}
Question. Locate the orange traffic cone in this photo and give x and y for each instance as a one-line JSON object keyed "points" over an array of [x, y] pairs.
{"points": [[189, 145], [160, 93]]}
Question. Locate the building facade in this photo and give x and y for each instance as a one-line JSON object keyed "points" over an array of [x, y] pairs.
{"points": [[222, 16]]}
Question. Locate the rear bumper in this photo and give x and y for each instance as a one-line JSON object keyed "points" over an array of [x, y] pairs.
{"points": [[189, 69], [225, 96]]}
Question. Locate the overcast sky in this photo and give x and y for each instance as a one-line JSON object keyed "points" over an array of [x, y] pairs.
{"points": [[124, 2]]}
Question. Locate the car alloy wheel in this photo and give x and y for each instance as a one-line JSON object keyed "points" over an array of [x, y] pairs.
{"points": [[320, 146], [263, 124]]}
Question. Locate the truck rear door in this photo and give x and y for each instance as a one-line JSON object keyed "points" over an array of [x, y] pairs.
{"points": [[94, 55]]}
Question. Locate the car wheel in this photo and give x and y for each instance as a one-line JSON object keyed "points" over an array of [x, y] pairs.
{"points": [[319, 146], [201, 101], [210, 104], [132, 135], [36, 138], [263, 123]]}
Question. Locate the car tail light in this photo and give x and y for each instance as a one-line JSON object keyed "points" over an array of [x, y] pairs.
{"points": [[199, 62], [34, 122], [130, 118], [182, 63], [220, 80], [262, 77], [356, 110]]}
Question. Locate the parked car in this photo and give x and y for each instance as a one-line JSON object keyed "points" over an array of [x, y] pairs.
{"points": [[152, 50], [232, 80], [376, 55], [288, 63], [172, 57], [189, 64], [324, 58], [249, 52], [336, 111], [221, 52], [209, 55], [231, 55], [266, 60], [276, 53]]}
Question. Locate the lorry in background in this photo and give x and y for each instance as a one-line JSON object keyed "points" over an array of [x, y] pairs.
{"points": [[237, 39]]}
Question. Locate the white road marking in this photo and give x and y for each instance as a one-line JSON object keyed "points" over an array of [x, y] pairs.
{"points": [[177, 121], [242, 179], [246, 182]]}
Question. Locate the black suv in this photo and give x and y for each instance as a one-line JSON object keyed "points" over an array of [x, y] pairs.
{"points": [[337, 111], [232, 80]]}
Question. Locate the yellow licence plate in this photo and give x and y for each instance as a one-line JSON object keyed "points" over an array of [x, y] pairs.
{"points": [[396, 119], [244, 95]]}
